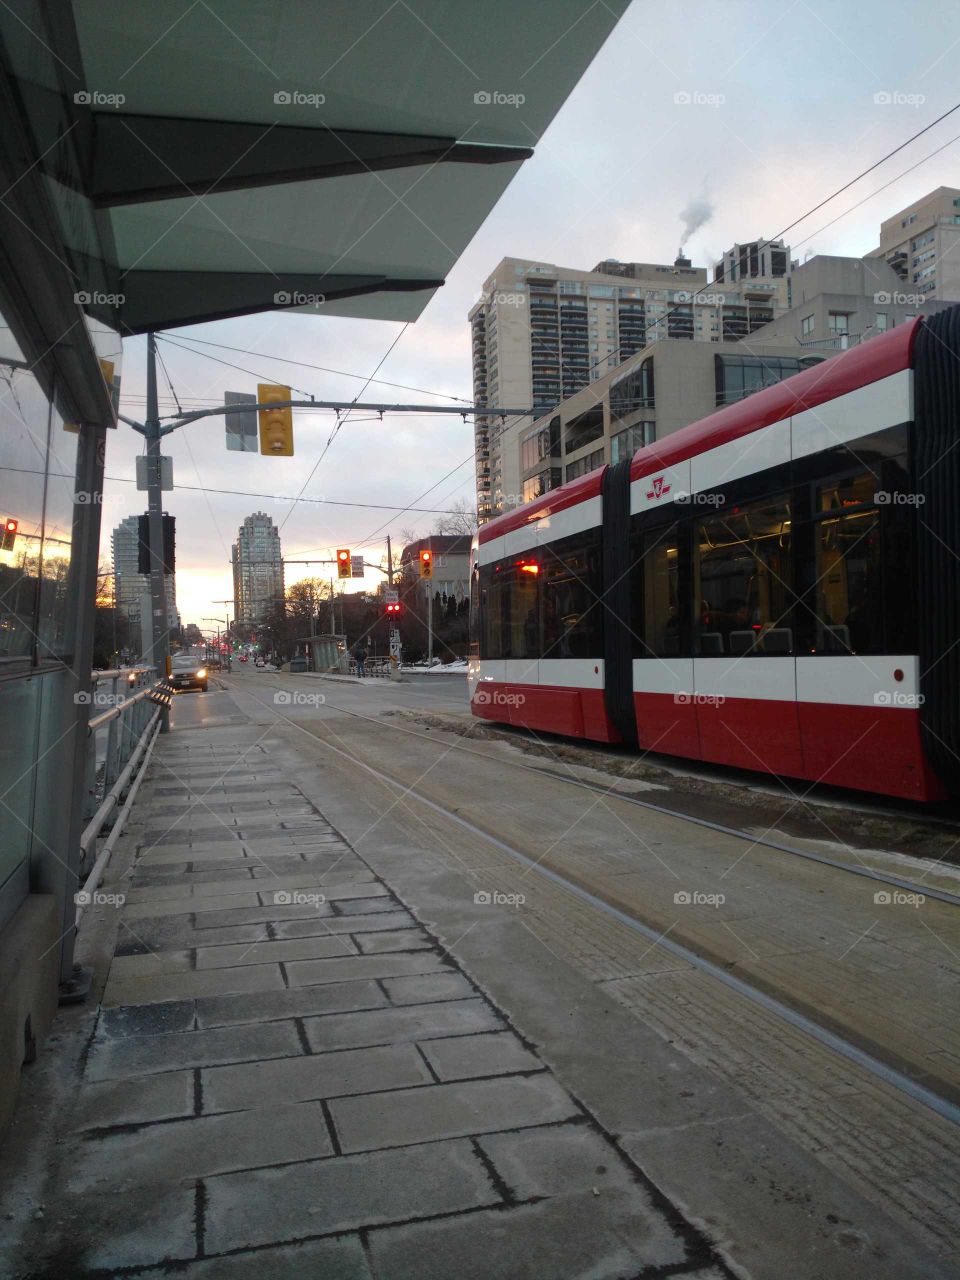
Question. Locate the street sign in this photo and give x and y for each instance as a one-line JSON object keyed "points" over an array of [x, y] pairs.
{"points": [[391, 595], [145, 464], [242, 430], [356, 564]]}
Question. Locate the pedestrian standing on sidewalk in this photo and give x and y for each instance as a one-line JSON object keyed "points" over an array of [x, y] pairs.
{"points": [[360, 657]]}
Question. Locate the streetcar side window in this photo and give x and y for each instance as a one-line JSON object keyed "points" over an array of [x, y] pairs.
{"points": [[474, 609], [572, 604], [657, 620], [855, 539], [521, 609], [491, 611], [849, 567], [743, 589]]}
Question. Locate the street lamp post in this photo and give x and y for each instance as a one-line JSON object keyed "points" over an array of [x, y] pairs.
{"points": [[217, 620]]}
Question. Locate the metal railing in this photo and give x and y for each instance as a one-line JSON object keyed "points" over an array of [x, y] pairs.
{"points": [[125, 709], [373, 668]]}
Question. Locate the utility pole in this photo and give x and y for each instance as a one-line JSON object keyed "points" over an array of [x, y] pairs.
{"points": [[396, 650], [160, 636], [333, 615], [429, 622]]}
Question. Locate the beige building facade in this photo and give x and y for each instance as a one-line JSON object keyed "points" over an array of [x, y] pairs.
{"points": [[840, 302], [661, 389], [921, 244], [541, 334]]}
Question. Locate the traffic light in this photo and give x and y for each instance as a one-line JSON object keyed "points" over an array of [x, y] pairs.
{"points": [[394, 610], [426, 564], [10, 527], [276, 425], [344, 569]]}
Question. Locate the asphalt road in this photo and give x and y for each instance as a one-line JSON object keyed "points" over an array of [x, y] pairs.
{"points": [[232, 696]]}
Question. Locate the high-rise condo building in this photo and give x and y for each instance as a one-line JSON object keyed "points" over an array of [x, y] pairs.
{"points": [[257, 568]]}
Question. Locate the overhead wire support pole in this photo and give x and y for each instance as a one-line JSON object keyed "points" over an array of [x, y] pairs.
{"points": [[159, 634]]}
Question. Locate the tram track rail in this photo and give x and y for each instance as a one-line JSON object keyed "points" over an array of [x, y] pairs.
{"points": [[900, 883], [945, 1108]]}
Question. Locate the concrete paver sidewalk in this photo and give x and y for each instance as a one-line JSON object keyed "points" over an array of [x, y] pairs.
{"points": [[290, 1077]]}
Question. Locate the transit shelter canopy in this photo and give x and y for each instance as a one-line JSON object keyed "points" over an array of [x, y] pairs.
{"points": [[208, 160]]}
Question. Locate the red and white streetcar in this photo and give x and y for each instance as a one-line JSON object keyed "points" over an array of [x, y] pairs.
{"points": [[776, 587]]}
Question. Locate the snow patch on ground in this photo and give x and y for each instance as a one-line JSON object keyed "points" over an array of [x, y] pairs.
{"points": [[458, 668]]}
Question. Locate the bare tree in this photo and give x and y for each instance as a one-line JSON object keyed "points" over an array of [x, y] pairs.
{"points": [[460, 520], [105, 584]]}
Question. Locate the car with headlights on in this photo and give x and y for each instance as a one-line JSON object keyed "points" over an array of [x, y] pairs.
{"points": [[188, 672]]}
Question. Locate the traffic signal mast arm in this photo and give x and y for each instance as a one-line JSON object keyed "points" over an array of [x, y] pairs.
{"points": [[366, 564], [339, 406]]}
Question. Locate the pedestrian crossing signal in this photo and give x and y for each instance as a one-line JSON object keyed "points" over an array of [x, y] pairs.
{"points": [[426, 564], [344, 568]]}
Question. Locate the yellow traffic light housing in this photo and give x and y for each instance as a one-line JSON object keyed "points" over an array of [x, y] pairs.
{"points": [[276, 425], [426, 564], [344, 567]]}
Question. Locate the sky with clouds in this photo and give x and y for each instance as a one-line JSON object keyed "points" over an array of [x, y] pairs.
{"points": [[760, 108]]}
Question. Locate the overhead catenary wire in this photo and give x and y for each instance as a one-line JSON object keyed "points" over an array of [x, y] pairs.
{"points": [[341, 373], [190, 452], [900, 175], [247, 493], [876, 165], [334, 433], [266, 377], [411, 507], [763, 244]]}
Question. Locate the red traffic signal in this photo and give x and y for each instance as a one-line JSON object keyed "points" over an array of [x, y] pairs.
{"points": [[426, 563], [10, 527], [344, 569], [394, 609]]}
